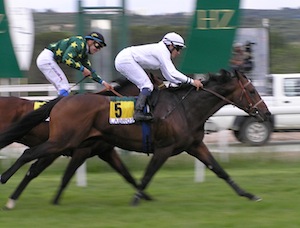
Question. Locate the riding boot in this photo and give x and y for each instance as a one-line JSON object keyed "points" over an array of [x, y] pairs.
{"points": [[139, 115]]}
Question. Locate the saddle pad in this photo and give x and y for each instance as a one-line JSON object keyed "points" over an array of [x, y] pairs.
{"points": [[38, 104], [121, 110]]}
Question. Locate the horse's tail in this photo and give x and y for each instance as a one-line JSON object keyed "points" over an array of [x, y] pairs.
{"points": [[23, 126]]}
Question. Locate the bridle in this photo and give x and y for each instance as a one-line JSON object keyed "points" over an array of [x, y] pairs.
{"points": [[251, 109]]}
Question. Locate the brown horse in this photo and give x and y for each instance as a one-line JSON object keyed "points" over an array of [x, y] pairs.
{"points": [[14, 108], [180, 115]]}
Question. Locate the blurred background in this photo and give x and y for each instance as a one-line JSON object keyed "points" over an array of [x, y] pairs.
{"points": [[129, 22], [269, 34]]}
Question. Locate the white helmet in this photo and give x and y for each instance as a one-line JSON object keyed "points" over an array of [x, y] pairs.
{"points": [[173, 38]]}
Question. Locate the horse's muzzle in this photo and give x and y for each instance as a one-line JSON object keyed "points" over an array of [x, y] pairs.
{"points": [[260, 116]]}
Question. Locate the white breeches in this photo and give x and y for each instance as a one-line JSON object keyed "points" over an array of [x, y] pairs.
{"points": [[54, 74], [128, 67]]}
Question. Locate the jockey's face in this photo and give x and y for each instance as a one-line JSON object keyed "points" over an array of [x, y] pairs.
{"points": [[175, 51], [93, 46]]}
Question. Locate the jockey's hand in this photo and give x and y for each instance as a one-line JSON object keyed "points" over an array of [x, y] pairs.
{"points": [[107, 85], [86, 72], [198, 84]]}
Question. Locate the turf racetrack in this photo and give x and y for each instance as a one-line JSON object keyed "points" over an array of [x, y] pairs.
{"points": [[179, 201]]}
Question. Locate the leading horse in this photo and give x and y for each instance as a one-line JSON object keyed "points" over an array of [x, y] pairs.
{"points": [[178, 126]]}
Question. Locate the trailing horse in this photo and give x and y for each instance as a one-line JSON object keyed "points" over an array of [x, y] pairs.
{"points": [[14, 108], [179, 118]]}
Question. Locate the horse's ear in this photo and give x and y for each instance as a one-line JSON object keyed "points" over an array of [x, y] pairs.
{"points": [[222, 71], [225, 72], [239, 74]]}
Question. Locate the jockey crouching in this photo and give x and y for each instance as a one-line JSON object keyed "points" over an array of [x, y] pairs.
{"points": [[73, 52], [133, 61]]}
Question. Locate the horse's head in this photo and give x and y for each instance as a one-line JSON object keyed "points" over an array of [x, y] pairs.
{"points": [[246, 97]]}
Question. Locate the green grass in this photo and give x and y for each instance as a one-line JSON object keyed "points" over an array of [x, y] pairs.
{"points": [[179, 201]]}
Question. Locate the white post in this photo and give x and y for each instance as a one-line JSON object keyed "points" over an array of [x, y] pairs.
{"points": [[199, 171], [223, 145], [81, 176]]}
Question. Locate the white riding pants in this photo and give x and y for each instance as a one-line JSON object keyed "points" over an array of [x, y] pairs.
{"points": [[54, 74], [128, 67]]}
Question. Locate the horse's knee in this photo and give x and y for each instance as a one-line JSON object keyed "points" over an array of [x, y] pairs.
{"points": [[33, 171]]}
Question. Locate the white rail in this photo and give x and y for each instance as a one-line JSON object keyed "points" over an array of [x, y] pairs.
{"points": [[29, 91]]}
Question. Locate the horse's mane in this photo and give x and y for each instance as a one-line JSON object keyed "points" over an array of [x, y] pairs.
{"points": [[221, 77]]}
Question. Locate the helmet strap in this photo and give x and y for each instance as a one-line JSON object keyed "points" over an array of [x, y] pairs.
{"points": [[172, 49]]}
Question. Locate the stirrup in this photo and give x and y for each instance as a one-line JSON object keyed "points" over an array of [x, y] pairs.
{"points": [[140, 116]]}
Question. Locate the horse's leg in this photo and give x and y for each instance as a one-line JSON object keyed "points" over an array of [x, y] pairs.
{"points": [[35, 169], [30, 154], [203, 154], [18, 164], [158, 159], [113, 159], [78, 158]]}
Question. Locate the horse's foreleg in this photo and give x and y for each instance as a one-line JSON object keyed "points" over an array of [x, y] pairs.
{"points": [[30, 154], [204, 155], [34, 170], [78, 158], [157, 160], [24, 158], [113, 159]]}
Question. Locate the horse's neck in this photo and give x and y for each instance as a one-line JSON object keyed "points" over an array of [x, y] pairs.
{"points": [[203, 105], [196, 106]]}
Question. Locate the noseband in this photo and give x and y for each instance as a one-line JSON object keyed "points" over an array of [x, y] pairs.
{"points": [[251, 109]]}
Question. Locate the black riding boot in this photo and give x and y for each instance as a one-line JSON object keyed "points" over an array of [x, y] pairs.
{"points": [[139, 115]]}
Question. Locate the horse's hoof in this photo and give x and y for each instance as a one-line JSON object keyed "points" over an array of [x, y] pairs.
{"points": [[256, 198], [136, 199], [146, 196], [55, 202], [135, 202], [10, 204]]}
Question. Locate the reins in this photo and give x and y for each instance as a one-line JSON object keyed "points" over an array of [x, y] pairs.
{"points": [[207, 90], [180, 101], [251, 106], [113, 91], [116, 93], [220, 96]]}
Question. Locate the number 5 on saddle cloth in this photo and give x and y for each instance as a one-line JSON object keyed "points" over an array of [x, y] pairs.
{"points": [[121, 112]]}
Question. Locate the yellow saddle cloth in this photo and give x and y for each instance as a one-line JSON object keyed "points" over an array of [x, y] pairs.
{"points": [[121, 110]]}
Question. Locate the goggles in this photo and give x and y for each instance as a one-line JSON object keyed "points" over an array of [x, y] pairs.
{"points": [[177, 47], [97, 45]]}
